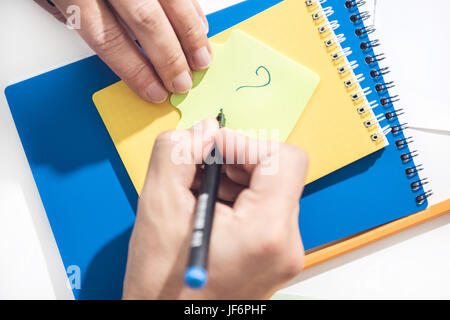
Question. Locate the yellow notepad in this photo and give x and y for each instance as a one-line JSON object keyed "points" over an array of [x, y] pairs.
{"points": [[330, 129]]}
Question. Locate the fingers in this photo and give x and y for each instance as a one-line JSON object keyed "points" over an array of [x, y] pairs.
{"points": [[148, 21], [228, 189], [176, 154], [51, 8], [173, 34], [201, 15], [104, 34], [237, 175], [191, 31], [277, 172]]}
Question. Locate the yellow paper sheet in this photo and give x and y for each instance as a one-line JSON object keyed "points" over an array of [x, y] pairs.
{"points": [[257, 87], [329, 129]]}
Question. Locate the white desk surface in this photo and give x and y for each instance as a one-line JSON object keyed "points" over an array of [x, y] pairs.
{"points": [[413, 264]]}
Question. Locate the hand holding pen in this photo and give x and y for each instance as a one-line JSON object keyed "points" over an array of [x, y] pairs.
{"points": [[255, 244], [196, 275]]}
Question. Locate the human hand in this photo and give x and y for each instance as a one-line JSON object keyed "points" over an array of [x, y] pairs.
{"points": [[171, 32], [255, 243]]}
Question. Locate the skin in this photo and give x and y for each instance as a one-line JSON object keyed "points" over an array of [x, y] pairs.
{"points": [[172, 34], [255, 246]]}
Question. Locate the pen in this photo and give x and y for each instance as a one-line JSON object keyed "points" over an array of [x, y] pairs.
{"points": [[196, 274]]}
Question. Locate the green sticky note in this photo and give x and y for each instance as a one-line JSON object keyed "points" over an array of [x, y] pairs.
{"points": [[257, 87]]}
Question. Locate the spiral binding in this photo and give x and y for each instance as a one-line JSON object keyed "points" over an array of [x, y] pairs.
{"points": [[320, 15]]}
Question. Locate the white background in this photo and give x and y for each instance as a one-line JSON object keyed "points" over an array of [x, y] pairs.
{"points": [[413, 264]]}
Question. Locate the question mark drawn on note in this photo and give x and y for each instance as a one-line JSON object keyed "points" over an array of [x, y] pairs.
{"points": [[260, 86]]}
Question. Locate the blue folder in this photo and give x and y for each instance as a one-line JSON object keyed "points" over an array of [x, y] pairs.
{"points": [[90, 200]]}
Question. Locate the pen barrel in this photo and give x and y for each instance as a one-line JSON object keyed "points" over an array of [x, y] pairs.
{"points": [[204, 213]]}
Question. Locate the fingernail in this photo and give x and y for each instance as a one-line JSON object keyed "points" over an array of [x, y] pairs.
{"points": [[156, 92], [202, 58], [205, 26], [182, 83]]}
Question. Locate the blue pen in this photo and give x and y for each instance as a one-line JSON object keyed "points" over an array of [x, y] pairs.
{"points": [[196, 274]]}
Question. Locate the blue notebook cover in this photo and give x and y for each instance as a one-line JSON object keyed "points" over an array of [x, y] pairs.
{"points": [[90, 200]]}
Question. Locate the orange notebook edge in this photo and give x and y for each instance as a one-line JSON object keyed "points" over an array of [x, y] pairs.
{"points": [[366, 238]]}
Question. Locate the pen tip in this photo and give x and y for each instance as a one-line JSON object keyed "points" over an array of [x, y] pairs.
{"points": [[221, 118]]}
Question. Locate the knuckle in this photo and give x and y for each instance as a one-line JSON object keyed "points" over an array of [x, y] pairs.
{"points": [[193, 33], [271, 246], [297, 155], [303, 157], [107, 39], [169, 139], [173, 60], [144, 14], [165, 137], [133, 74]]}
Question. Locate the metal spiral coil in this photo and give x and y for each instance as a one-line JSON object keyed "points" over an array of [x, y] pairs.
{"points": [[386, 101]]}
